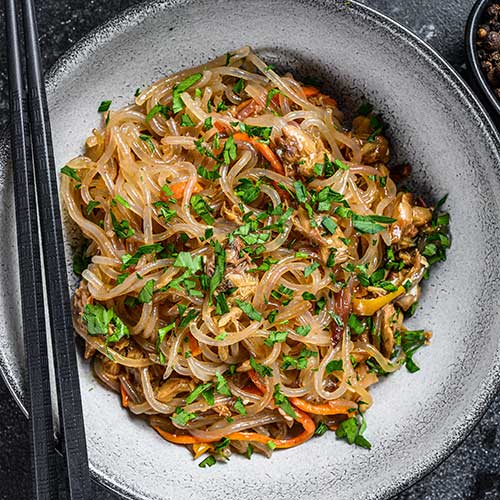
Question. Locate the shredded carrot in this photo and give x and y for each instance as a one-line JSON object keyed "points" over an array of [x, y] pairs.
{"points": [[302, 418], [194, 346], [243, 105], [263, 149], [256, 380], [180, 439], [310, 91], [124, 396], [252, 390], [219, 126], [329, 101], [319, 409], [179, 187]]}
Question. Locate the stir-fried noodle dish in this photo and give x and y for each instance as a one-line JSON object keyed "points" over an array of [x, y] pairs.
{"points": [[249, 258]]}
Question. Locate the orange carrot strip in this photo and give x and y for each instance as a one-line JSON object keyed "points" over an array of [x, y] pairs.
{"points": [[303, 418], [310, 91], [329, 101], [319, 409], [194, 346], [219, 126], [263, 149], [124, 396], [180, 439], [256, 380], [243, 104], [179, 187]]}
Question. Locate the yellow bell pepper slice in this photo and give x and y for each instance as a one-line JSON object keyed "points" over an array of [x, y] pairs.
{"points": [[368, 307], [200, 448]]}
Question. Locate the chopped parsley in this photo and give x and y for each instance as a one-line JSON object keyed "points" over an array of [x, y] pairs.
{"points": [[410, 341], [131, 260], [186, 121], [146, 294], [197, 392], [149, 141], [71, 173], [104, 106], [177, 104], [334, 365], [102, 321], [208, 462], [182, 417], [221, 385], [270, 96], [262, 370], [240, 407], [122, 228], [303, 330], [202, 208], [158, 108], [249, 310], [352, 431], [310, 269], [321, 428], [300, 362], [282, 402], [80, 260], [220, 266], [229, 152], [247, 190], [275, 337], [239, 86]]}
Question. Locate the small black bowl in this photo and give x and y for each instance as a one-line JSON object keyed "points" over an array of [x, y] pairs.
{"points": [[478, 79]]}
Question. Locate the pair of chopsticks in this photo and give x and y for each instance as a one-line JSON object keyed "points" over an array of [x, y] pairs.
{"points": [[36, 199]]}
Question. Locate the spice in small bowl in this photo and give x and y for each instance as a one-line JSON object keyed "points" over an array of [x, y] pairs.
{"points": [[488, 46]]}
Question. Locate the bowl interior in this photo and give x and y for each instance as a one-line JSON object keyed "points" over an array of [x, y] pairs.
{"points": [[433, 122]]}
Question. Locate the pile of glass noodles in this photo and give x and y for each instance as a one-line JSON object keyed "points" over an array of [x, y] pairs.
{"points": [[248, 261]]}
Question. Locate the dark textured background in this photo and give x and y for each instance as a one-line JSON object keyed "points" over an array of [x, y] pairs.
{"points": [[473, 471]]}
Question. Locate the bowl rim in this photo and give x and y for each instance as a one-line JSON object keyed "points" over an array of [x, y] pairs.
{"points": [[472, 57], [136, 14]]}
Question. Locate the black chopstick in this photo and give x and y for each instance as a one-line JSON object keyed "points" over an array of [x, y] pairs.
{"points": [[61, 329], [43, 459]]}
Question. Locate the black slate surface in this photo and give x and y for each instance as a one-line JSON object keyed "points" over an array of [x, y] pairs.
{"points": [[473, 471]]}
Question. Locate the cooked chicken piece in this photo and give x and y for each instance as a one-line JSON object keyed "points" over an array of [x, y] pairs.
{"points": [[299, 151], [248, 108], [169, 390], [246, 283], [376, 151], [421, 216], [391, 322], [110, 367], [403, 212], [361, 126], [232, 213], [222, 410], [302, 225], [325, 101], [95, 145], [231, 317], [415, 275], [81, 298]]}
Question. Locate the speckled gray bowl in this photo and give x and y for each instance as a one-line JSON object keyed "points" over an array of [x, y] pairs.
{"points": [[435, 123]]}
